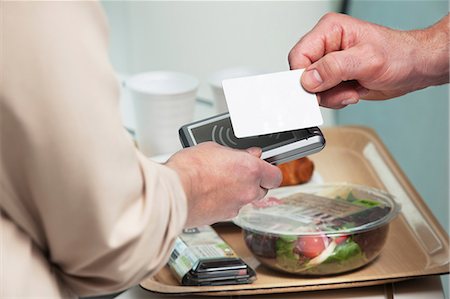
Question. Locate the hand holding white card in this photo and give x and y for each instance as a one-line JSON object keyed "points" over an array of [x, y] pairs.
{"points": [[270, 103]]}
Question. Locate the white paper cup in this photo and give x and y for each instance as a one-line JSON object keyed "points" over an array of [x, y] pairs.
{"points": [[215, 82], [163, 101]]}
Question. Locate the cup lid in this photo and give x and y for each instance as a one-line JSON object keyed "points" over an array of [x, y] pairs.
{"points": [[162, 83], [331, 209]]}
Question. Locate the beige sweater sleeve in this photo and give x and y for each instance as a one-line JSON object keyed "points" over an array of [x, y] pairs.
{"points": [[100, 213]]}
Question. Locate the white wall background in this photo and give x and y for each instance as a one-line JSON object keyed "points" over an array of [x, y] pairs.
{"points": [[202, 37]]}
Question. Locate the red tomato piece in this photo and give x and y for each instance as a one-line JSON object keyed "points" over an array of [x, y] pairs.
{"points": [[310, 246], [340, 239]]}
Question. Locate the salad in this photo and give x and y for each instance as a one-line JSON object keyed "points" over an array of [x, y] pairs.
{"points": [[317, 254], [329, 231]]}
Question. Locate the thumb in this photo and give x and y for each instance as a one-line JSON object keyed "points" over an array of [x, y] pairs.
{"points": [[254, 151], [339, 66]]}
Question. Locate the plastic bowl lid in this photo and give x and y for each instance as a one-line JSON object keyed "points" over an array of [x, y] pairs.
{"points": [[331, 209]]}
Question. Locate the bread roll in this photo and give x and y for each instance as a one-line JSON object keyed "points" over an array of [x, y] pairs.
{"points": [[297, 171]]}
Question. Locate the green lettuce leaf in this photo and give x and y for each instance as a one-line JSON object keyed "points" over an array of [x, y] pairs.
{"points": [[345, 251]]}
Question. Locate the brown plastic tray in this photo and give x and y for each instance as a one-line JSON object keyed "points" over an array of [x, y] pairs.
{"points": [[417, 245]]}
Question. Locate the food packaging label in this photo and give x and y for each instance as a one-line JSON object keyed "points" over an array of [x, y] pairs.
{"points": [[312, 213], [194, 245]]}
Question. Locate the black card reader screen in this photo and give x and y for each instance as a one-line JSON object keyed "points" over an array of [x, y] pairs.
{"points": [[221, 132]]}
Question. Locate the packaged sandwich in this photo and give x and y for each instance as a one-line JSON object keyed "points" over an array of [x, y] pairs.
{"points": [[202, 257]]}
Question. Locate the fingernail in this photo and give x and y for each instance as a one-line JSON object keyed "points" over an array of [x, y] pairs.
{"points": [[255, 151], [312, 79], [349, 102], [362, 91]]}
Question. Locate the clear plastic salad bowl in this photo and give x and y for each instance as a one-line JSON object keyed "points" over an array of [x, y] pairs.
{"points": [[318, 229]]}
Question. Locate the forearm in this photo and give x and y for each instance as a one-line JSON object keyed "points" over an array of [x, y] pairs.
{"points": [[101, 213], [130, 238], [432, 61]]}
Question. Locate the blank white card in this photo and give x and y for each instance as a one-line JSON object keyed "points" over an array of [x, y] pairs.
{"points": [[270, 103]]}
